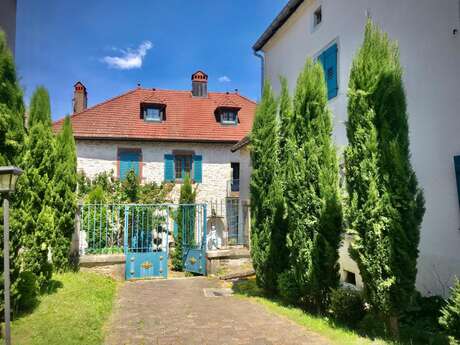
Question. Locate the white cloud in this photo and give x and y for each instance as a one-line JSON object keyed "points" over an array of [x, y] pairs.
{"points": [[129, 58], [224, 79]]}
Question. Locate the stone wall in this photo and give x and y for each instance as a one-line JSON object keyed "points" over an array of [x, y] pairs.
{"points": [[95, 157]]}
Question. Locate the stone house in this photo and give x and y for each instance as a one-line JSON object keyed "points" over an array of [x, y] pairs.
{"points": [[429, 40], [165, 134]]}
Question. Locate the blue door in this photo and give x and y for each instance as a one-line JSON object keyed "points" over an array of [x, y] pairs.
{"points": [[146, 241], [191, 221], [129, 160]]}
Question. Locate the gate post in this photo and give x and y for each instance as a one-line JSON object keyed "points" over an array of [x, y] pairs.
{"points": [[125, 231], [205, 224]]}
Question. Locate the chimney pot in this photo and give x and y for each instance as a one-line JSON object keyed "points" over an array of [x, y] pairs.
{"points": [[200, 84], [80, 98]]}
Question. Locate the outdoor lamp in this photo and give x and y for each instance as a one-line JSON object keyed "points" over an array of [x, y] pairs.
{"points": [[8, 178]]}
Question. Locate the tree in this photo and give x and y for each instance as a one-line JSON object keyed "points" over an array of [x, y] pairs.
{"points": [[312, 194], [34, 219], [450, 313], [386, 206], [11, 108], [64, 200], [268, 237], [11, 144], [40, 108], [285, 118], [186, 199]]}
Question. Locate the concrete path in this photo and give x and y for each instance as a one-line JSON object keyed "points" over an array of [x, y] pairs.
{"points": [[177, 312]]}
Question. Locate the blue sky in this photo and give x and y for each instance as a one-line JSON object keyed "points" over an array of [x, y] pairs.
{"points": [[111, 46]]}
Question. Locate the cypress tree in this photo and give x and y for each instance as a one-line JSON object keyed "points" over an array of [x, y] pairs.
{"points": [[11, 108], [268, 239], [64, 184], [40, 108], [386, 204], [187, 197], [11, 144], [285, 114], [312, 193], [35, 218], [450, 313]]}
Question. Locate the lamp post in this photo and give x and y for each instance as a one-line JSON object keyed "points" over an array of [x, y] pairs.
{"points": [[8, 177]]}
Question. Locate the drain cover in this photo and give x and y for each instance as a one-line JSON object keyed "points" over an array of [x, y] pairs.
{"points": [[223, 292]]}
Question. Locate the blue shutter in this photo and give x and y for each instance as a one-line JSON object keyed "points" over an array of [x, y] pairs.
{"points": [[169, 168], [329, 61], [332, 86], [197, 168], [457, 174], [129, 160]]}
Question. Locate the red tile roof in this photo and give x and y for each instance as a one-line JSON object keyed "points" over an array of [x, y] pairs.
{"points": [[187, 118]]}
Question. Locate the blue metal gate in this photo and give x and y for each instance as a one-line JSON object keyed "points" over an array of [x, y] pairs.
{"points": [[192, 222], [146, 237], [142, 233]]}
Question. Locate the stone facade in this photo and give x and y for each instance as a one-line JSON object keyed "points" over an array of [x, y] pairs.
{"points": [[95, 157]]}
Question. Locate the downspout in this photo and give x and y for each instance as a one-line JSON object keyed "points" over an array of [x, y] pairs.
{"points": [[262, 70]]}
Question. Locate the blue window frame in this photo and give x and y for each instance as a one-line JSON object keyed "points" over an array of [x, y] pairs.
{"points": [[328, 59], [153, 114], [228, 117], [179, 165]]}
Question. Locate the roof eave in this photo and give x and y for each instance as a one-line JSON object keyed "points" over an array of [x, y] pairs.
{"points": [[240, 144], [189, 140], [277, 23]]}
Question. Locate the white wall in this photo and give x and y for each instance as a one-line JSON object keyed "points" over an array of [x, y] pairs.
{"points": [[98, 156], [430, 56]]}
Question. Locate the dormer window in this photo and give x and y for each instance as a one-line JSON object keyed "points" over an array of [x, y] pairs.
{"points": [[228, 117], [153, 112]]}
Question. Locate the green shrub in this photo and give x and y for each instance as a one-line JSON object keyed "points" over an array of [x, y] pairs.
{"points": [[25, 291], [450, 318], [288, 288], [423, 313], [372, 326], [347, 306]]}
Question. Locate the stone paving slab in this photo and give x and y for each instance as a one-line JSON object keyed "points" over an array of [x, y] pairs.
{"points": [[176, 312]]}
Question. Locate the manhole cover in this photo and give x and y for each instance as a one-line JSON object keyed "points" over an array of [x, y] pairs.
{"points": [[223, 292]]}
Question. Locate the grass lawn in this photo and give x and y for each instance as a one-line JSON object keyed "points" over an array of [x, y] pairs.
{"points": [[74, 314], [336, 334]]}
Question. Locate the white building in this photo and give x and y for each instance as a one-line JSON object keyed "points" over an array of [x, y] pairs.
{"points": [[165, 134], [429, 39]]}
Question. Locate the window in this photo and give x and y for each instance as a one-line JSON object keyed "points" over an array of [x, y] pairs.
{"points": [[228, 117], [153, 114], [183, 165], [328, 59], [317, 17], [235, 182], [457, 174], [179, 164], [129, 159], [350, 278]]}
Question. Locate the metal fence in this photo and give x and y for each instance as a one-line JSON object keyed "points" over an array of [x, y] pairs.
{"points": [[116, 228]]}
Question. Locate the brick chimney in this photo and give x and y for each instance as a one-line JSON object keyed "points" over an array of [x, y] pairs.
{"points": [[80, 98], [199, 84]]}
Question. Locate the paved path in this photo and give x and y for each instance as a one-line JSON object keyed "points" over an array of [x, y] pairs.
{"points": [[176, 312]]}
